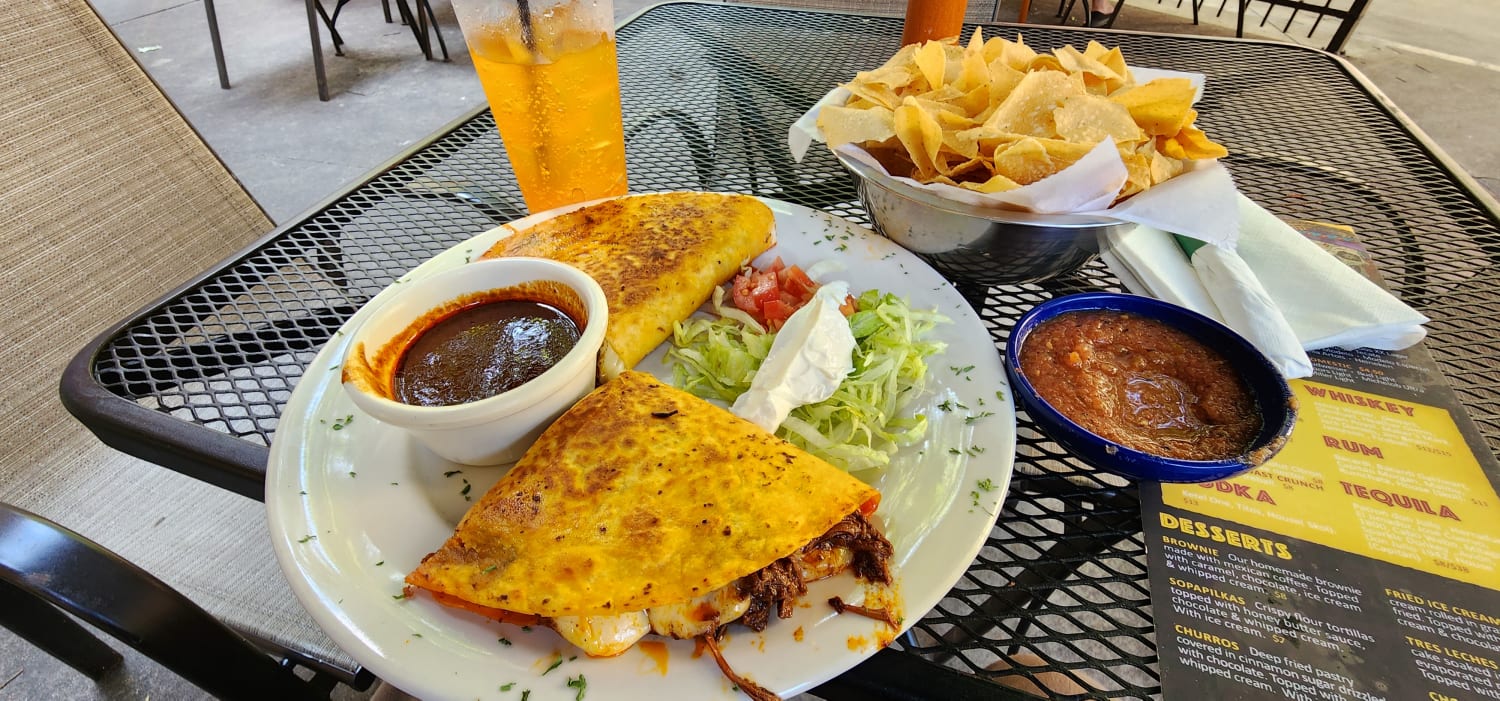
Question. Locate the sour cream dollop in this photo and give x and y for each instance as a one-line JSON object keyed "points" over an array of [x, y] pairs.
{"points": [[811, 356]]}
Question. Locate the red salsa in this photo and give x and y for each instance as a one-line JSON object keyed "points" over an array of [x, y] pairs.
{"points": [[483, 350], [1141, 383]]}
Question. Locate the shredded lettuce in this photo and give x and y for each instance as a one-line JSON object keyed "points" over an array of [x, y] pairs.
{"points": [[859, 427]]}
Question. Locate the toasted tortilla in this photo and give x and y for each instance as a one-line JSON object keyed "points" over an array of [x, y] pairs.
{"points": [[641, 495], [658, 258]]}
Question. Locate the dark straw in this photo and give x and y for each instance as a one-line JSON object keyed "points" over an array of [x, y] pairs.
{"points": [[524, 8]]}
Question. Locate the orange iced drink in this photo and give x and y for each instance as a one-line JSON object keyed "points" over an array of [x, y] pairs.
{"points": [[555, 94], [933, 19]]}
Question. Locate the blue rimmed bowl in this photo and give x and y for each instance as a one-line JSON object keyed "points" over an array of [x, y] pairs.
{"points": [[1272, 395]]}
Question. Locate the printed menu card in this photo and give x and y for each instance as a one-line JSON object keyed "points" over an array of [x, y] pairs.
{"points": [[1361, 563]]}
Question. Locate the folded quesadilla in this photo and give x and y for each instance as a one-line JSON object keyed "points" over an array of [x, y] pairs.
{"points": [[646, 509], [658, 258]]}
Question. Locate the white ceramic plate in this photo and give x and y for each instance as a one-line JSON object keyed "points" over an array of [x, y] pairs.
{"points": [[354, 505]]}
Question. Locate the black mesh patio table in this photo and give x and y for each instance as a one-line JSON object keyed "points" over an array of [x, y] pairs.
{"points": [[1059, 593]]}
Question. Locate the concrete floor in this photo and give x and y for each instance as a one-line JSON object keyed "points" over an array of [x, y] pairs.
{"points": [[291, 151]]}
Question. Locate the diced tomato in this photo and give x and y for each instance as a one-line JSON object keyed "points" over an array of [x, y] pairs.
{"points": [[850, 306], [741, 292], [763, 288], [753, 289], [772, 294], [776, 313], [797, 283]]}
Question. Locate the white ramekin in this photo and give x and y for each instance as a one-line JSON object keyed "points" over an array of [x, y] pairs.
{"points": [[496, 429]]}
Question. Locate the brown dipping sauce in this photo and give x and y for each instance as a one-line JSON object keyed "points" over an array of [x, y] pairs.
{"points": [[1141, 383], [482, 350]]}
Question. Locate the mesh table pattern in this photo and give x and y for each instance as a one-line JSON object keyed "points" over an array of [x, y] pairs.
{"points": [[1059, 591]]}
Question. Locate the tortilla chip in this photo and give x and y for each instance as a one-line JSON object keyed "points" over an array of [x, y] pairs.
{"points": [[1111, 58], [931, 61], [1196, 145], [1028, 109], [919, 132], [1162, 107], [1100, 79], [1089, 119], [1065, 152], [1025, 161], [998, 183], [1138, 174], [1015, 54], [1164, 168], [843, 125]]}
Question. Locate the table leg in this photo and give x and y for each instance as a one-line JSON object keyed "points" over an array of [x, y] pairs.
{"points": [[1025, 9], [1346, 27], [213, 38], [433, 23], [317, 49], [410, 20]]}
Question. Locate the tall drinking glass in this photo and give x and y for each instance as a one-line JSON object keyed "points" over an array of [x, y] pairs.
{"points": [[548, 69], [933, 19]]}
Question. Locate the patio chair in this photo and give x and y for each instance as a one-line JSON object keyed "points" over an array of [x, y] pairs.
{"points": [[421, 20], [107, 199], [43, 565]]}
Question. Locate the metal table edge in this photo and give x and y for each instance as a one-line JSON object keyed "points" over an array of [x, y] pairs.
{"points": [[1482, 197], [198, 452], [214, 457]]}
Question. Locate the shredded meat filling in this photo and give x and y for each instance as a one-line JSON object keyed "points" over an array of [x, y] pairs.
{"points": [[872, 552], [776, 586]]}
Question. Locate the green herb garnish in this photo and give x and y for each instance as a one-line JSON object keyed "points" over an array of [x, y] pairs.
{"points": [[555, 664], [580, 684]]}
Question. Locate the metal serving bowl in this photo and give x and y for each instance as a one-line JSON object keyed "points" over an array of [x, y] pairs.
{"points": [[975, 245]]}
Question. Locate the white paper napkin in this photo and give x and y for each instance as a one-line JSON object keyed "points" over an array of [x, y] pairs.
{"points": [[1282, 291], [1346, 309]]}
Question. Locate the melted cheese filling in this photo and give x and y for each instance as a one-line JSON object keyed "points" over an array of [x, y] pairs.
{"points": [[607, 636]]}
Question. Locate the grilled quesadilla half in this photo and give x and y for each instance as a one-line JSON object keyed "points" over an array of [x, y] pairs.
{"points": [[658, 258], [646, 509]]}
